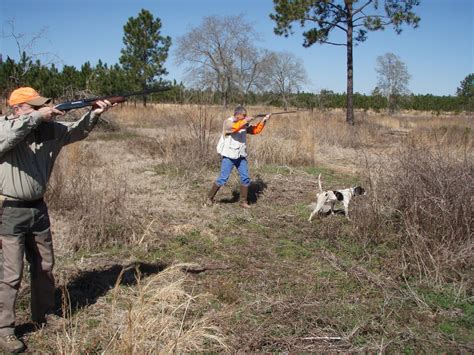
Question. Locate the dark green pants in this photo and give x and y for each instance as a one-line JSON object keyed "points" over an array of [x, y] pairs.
{"points": [[25, 232]]}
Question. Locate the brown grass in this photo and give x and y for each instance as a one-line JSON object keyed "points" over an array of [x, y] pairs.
{"points": [[379, 283], [92, 200], [430, 190], [156, 316]]}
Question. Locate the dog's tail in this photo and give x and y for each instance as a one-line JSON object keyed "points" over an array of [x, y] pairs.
{"points": [[319, 183]]}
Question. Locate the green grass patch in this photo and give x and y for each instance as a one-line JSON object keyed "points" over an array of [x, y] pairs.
{"points": [[331, 177], [455, 313], [276, 169], [448, 328], [291, 250], [186, 247], [447, 298], [92, 322], [232, 241], [302, 211]]}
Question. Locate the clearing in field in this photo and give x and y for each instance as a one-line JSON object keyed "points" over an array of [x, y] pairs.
{"points": [[143, 266]]}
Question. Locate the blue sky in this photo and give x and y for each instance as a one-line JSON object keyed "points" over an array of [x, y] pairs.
{"points": [[438, 54]]}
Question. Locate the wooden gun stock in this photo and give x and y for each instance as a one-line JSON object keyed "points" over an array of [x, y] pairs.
{"points": [[112, 100]]}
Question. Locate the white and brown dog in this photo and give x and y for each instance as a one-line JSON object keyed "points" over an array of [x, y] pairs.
{"points": [[326, 200]]}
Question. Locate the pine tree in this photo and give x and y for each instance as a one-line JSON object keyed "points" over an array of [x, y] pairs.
{"points": [[332, 15], [146, 50], [465, 92]]}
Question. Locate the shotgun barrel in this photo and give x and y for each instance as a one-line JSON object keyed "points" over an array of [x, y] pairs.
{"points": [[72, 105], [279, 113]]}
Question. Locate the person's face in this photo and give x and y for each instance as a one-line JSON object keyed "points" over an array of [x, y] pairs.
{"points": [[240, 116], [23, 109]]}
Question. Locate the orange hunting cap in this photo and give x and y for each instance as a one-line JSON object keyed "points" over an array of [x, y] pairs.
{"points": [[27, 95]]}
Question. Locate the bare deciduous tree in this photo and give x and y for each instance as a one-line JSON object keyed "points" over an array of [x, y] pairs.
{"points": [[284, 74], [26, 50], [392, 78], [247, 71], [219, 55]]}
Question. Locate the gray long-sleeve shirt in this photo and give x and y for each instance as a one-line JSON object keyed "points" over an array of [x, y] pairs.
{"points": [[29, 148]]}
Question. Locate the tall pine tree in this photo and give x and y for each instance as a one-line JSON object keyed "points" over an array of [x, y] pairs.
{"points": [[146, 50], [352, 17]]}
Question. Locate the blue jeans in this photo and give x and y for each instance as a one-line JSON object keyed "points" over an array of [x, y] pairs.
{"points": [[226, 168]]}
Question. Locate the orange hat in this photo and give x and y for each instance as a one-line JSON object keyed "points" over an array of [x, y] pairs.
{"points": [[27, 95]]}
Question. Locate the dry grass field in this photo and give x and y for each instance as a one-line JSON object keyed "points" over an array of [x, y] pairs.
{"points": [[143, 267]]}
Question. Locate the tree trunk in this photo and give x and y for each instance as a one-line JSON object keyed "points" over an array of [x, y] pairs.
{"points": [[225, 98], [350, 67], [228, 90], [221, 89], [285, 102], [144, 96]]}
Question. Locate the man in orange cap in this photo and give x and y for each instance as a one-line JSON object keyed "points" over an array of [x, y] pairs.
{"points": [[27, 95], [30, 141]]}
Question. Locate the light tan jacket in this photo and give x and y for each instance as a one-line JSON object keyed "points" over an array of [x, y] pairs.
{"points": [[29, 148]]}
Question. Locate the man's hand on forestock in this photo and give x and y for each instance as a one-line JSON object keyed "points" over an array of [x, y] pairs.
{"points": [[103, 106], [267, 117]]}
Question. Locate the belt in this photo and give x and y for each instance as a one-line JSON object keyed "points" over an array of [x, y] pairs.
{"points": [[21, 204]]}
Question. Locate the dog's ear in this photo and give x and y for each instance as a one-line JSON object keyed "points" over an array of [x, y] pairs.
{"points": [[358, 190]]}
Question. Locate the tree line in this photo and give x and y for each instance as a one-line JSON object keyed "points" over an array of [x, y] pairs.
{"points": [[224, 66], [103, 79]]}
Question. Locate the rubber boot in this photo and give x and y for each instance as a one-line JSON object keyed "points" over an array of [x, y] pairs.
{"points": [[212, 193], [244, 193]]}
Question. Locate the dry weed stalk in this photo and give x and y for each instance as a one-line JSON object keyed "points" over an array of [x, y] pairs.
{"points": [[429, 189], [94, 201], [156, 318], [303, 138], [200, 123], [69, 332]]}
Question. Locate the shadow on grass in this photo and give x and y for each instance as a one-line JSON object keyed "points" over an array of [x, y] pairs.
{"points": [[336, 211], [89, 286], [256, 188], [327, 212]]}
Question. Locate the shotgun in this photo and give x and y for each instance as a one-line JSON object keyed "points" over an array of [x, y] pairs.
{"points": [[279, 113], [72, 105]]}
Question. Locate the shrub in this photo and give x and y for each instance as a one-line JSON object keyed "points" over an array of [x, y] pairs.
{"points": [[92, 198], [430, 190]]}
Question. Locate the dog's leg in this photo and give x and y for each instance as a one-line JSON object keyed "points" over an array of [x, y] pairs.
{"points": [[315, 211], [321, 200], [346, 208], [312, 214]]}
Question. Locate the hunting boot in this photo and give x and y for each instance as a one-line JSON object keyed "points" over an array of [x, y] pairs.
{"points": [[212, 193], [244, 193]]}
